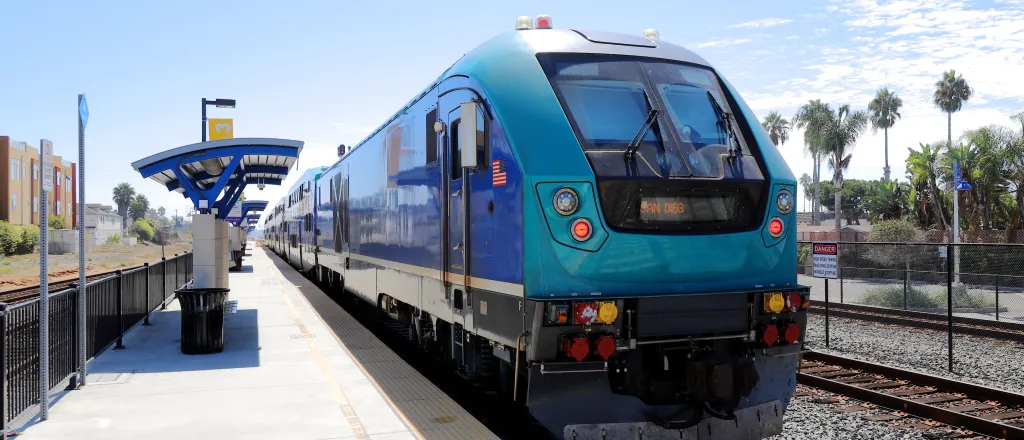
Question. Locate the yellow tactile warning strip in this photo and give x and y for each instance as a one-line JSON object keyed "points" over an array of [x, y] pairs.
{"points": [[336, 392], [425, 409]]}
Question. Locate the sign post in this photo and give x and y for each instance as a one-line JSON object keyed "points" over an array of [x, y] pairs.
{"points": [[83, 119], [825, 257], [46, 147]]}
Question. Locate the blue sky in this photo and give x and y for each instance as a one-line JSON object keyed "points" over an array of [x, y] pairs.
{"points": [[328, 72]]}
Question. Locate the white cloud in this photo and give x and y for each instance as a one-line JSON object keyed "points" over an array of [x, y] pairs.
{"points": [[905, 45], [722, 42], [764, 22]]}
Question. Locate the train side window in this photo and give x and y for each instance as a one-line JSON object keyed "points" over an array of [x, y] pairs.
{"points": [[431, 137], [456, 153]]}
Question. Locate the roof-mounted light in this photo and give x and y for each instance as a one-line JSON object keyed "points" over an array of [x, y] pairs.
{"points": [[651, 34], [524, 23], [543, 22]]}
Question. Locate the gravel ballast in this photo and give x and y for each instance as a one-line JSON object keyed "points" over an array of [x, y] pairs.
{"points": [[818, 417], [807, 420], [986, 362]]}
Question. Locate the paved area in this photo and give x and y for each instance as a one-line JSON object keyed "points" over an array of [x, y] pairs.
{"points": [[284, 374]]}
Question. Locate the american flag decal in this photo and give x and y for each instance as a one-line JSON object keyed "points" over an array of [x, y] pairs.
{"points": [[498, 172]]}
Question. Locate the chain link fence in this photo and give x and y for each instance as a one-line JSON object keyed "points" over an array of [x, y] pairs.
{"points": [[939, 307]]}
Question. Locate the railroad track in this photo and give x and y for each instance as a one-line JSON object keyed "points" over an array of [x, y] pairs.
{"points": [[987, 411], [1002, 330], [27, 293]]}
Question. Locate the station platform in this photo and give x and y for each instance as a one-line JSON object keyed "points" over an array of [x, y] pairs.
{"points": [[295, 366]]}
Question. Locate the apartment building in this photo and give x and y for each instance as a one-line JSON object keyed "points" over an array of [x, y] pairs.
{"points": [[20, 181]]}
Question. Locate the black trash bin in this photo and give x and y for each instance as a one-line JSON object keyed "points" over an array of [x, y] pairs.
{"points": [[202, 319]]}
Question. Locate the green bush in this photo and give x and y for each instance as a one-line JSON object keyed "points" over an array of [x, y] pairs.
{"points": [[803, 251], [898, 231], [58, 223], [143, 229], [29, 239], [17, 239], [7, 239], [114, 239], [893, 297], [963, 298]]}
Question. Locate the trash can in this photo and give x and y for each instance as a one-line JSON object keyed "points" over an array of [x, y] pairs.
{"points": [[202, 319]]}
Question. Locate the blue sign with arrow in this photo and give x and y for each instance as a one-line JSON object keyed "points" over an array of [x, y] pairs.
{"points": [[958, 183], [83, 112]]}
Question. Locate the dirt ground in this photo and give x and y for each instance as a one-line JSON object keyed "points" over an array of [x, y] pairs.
{"points": [[23, 270]]}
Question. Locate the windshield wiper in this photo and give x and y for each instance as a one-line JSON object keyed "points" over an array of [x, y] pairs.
{"points": [[634, 144], [724, 121]]}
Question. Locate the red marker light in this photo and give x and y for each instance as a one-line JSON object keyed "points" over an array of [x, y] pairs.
{"points": [[770, 335], [579, 349], [605, 347], [581, 229], [792, 333], [543, 22], [775, 227]]}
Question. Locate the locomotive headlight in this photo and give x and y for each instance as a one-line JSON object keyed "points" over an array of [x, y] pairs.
{"points": [[784, 202], [566, 201]]}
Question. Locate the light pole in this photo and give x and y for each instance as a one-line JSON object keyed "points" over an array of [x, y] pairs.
{"points": [[221, 103]]}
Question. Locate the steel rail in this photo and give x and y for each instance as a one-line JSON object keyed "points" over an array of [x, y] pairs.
{"points": [[942, 385]]}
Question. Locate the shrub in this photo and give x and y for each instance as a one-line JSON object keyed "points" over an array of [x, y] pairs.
{"points": [[963, 298], [8, 242], [142, 229], [114, 239], [893, 297], [58, 223], [896, 231], [29, 239], [803, 251]]}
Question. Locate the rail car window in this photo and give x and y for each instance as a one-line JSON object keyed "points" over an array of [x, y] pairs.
{"points": [[608, 99], [431, 137], [456, 153]]}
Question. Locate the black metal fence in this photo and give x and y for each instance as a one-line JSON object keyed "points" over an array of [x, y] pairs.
{"points": [[114, 304], [954, 307]]}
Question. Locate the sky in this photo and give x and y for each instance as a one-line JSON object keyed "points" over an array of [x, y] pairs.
{"points": [[328, 72]]}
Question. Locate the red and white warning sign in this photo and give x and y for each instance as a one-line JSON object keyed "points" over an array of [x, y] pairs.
{"points": [[825, 257]]}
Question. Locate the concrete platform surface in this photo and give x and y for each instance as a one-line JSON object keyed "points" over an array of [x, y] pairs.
{"points": [[284, 374]]}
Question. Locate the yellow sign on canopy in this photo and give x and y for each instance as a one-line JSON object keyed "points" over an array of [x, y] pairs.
{"points": [[221, 129]]}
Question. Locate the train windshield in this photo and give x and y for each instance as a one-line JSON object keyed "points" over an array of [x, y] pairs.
{"points": [[609, 100]]}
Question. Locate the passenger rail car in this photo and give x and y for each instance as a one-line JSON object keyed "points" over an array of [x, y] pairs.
{"points": [[593, 223]]}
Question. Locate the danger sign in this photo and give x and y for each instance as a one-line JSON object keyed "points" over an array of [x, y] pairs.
{"points": [[825, 257]]}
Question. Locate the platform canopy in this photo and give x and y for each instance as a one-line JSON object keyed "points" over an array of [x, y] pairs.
{"points": [[252, 208], [213, 174]]}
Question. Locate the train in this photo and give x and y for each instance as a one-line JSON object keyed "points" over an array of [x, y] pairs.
{"points": [[593, 224]]}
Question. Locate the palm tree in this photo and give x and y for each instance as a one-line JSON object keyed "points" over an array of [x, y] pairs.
{"points": [[123, 196], [982, 160], [1014, 171], [922, 169], [805, 183], [841, 129], [777, 127], [951, 92], [810, 117], [885, 111], [139, 207], [889, 201]]}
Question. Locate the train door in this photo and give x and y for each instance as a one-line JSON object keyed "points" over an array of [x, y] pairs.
{"points": [[458, 271]]}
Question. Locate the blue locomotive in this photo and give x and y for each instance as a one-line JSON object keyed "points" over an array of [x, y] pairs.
{"points": [[594, 224]]}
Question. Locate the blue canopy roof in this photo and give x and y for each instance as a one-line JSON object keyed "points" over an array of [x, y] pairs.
{"points": [[213, 174]]}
